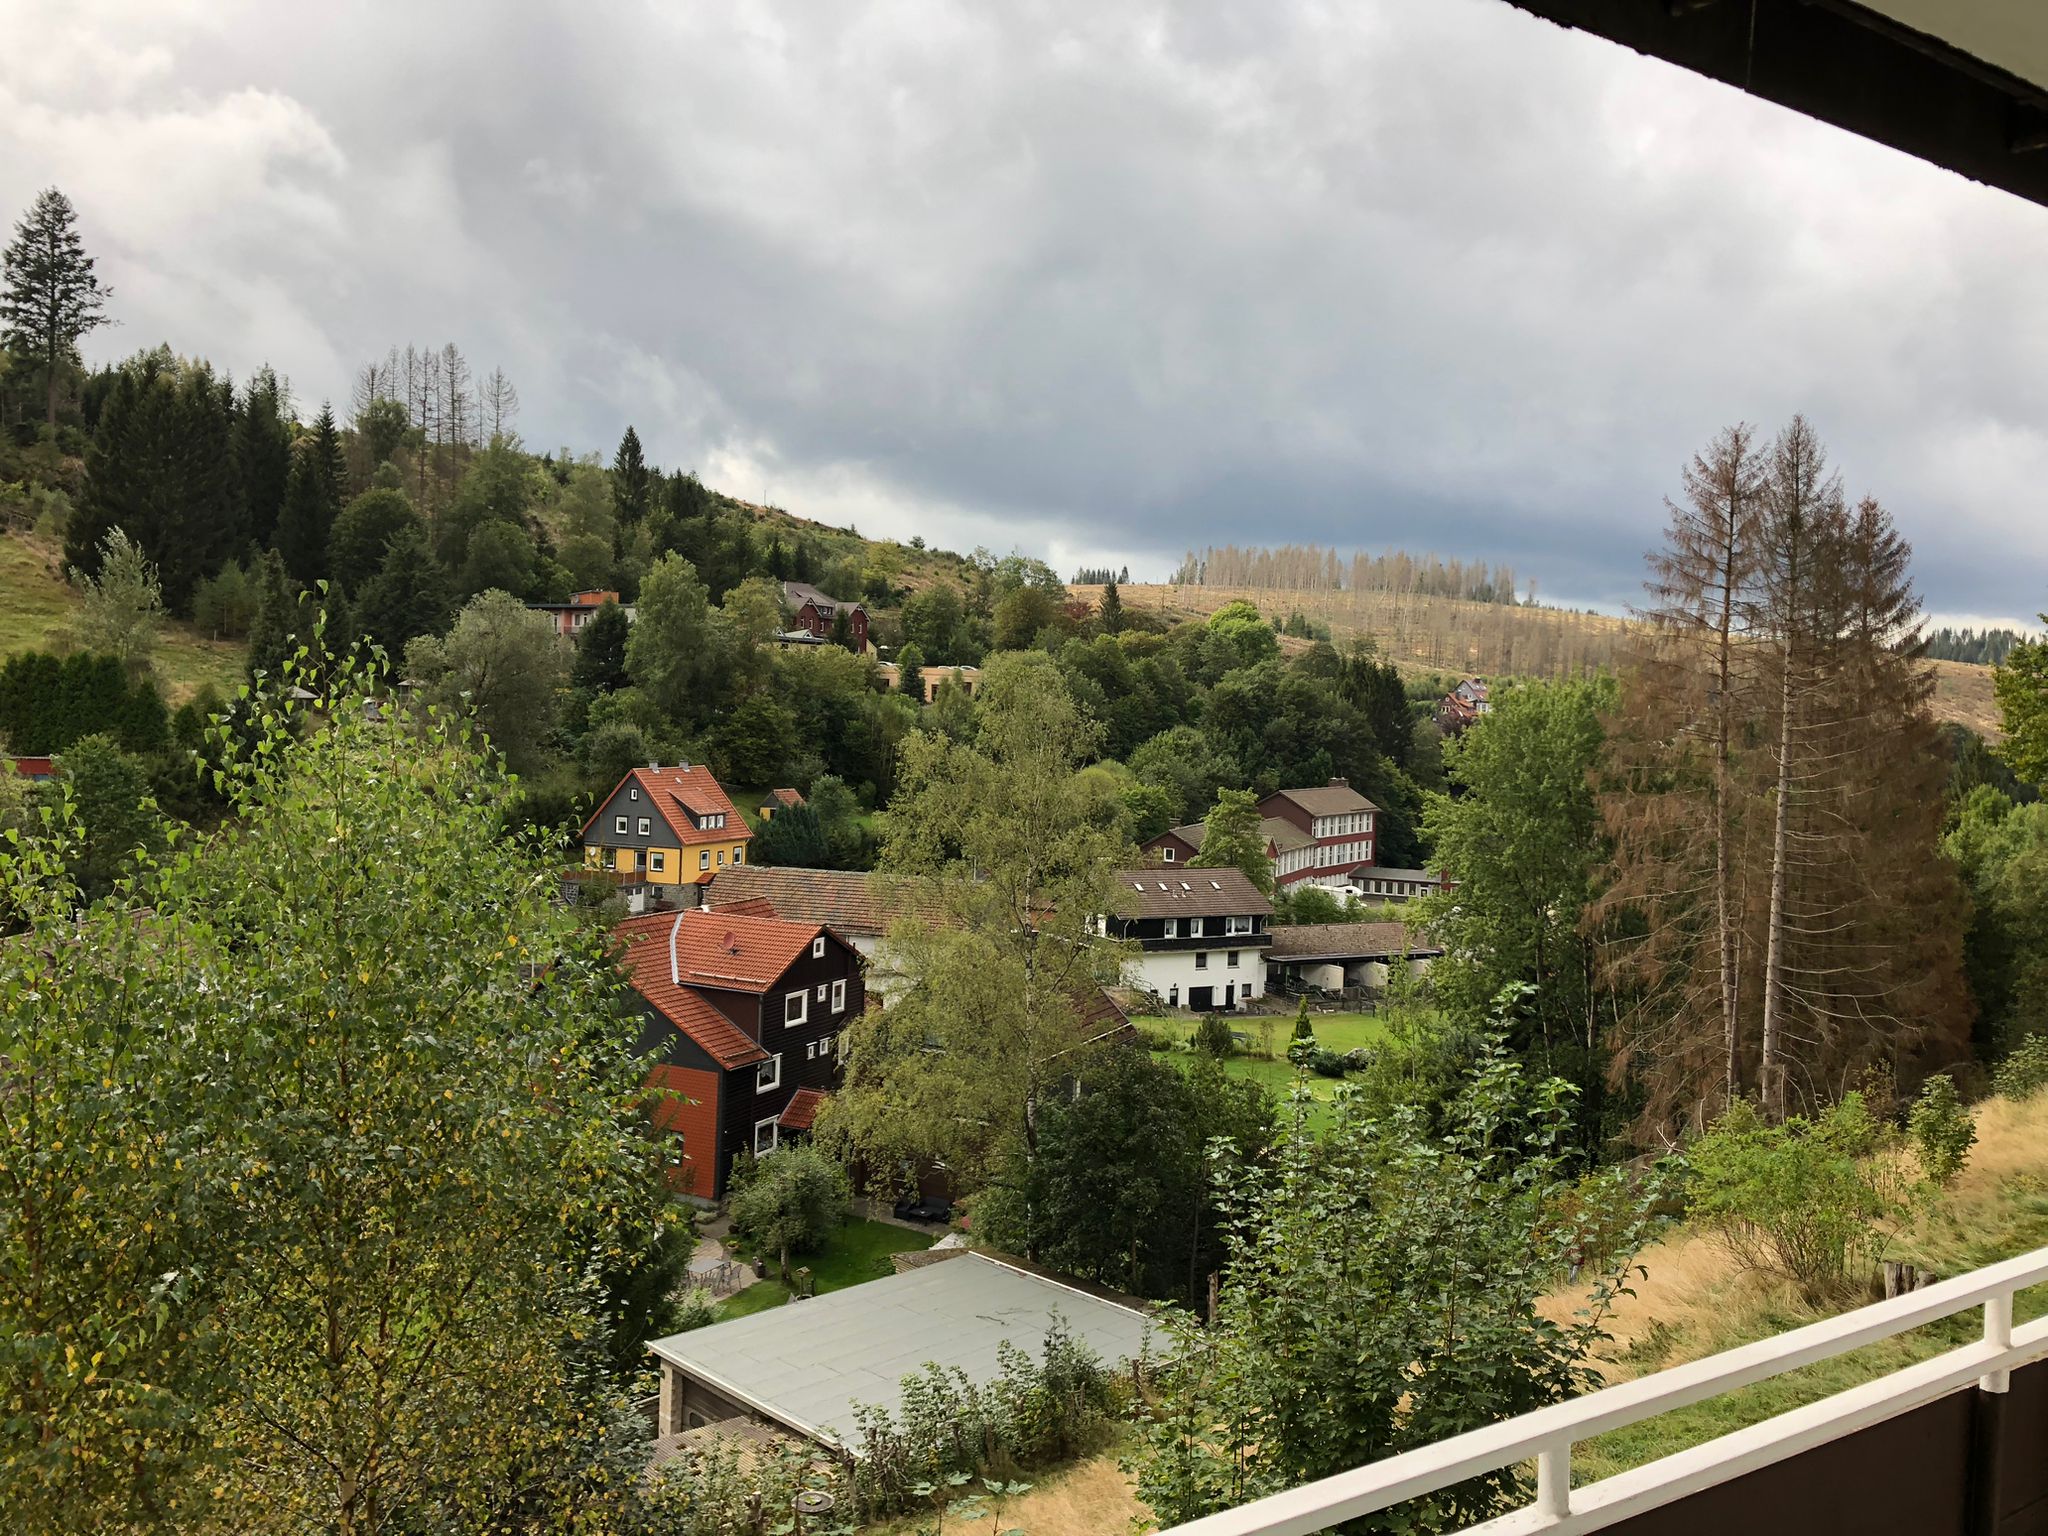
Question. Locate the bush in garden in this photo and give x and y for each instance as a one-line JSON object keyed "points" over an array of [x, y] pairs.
{"points": [[1212, 1035], [1326, 1063], [713, 1489], [1302, 1028], [1806, 1200], [2024, 1073], [789, 1203], [1942, 1130], [947, 1427]]}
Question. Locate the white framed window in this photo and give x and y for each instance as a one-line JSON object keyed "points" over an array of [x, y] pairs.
{"points": [[811, 1051], [619, 825], [1166, 853], [655, 861], [768, 1075], [721, 858], [1171, 928], [767, 1136], [635, 792], [825, 1045], [739, 855], [821, 991], [1201, 959], [796, 1008], [1231, 960], [839, 996], [644, 827], [704, 860], [818, 947], [1237, 925]]}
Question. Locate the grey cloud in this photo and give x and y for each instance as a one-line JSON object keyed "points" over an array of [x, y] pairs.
{"points": [[1102, 281]]}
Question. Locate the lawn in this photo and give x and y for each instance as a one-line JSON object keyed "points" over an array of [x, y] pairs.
{"points": [[858, 1251], [1270, 1033]]}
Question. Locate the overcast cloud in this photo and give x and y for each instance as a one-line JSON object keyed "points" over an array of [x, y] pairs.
{"points": [[1099, 282]]}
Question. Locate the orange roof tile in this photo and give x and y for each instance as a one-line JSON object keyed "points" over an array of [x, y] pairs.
{"points": [[667, 954], [675, 794]]}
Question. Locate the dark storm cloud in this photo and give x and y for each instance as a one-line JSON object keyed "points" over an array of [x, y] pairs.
{"points": [[1103, 282]]}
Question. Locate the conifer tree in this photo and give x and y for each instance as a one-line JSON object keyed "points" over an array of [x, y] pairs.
{"points": [[271, 634], [263, 457], [409, 596], [49, 297], [1111, 610], [306, 524], [632, 484], [910, 672]]}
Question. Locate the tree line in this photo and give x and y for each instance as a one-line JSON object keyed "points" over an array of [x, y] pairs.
{"points": [[1313, 568]]}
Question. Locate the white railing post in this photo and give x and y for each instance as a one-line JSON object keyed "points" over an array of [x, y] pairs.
{"points": [[1554, 1480], [1998, 1334]]}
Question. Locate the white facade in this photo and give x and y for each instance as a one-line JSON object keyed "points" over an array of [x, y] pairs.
{"points": [[1176, 974]]}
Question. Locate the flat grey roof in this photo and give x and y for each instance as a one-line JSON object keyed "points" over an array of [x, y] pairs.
{"points": [[808, 1364]]}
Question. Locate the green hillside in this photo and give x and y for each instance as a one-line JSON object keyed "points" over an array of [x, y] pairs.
{"points": [[37, 607]]}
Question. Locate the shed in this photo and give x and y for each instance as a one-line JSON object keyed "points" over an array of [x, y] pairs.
{"points": [[808, 1365]]}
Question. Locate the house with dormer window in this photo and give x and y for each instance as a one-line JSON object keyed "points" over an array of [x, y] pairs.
{"points": [[742, 1021], [1200, 935], [665, 827]]}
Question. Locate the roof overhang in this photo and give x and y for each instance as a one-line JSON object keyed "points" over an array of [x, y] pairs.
{"points": [[1960, 83]]}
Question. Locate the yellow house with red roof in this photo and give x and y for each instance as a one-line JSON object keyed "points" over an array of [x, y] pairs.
{"points": [[666, 826]]}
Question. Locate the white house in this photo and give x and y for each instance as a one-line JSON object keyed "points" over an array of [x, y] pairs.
{"points": [[1201, 935]]}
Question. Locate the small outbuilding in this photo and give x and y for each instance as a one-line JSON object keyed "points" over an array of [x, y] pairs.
{"points": [[808, 1365]]}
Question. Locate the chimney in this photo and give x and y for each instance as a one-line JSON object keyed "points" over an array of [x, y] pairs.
{"points": [[654, 767], [1340, 783]]}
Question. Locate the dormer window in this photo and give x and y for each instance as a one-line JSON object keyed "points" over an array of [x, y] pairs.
{"points": [[1167, 851]]}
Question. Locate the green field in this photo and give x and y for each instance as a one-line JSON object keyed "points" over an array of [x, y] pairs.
{"points": [[858, 1251], [37, 608], [1265, 1060]]}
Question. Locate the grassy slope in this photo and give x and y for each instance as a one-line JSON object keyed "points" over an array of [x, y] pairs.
{"points": [[37, 608]]}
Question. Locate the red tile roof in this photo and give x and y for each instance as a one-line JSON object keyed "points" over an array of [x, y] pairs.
{"points": [[674, 791], [802, 1110], [35, 767], [847, 901], [668, 954], [789, 797]]}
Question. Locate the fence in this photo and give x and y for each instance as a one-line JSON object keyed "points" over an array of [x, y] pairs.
{"points": [[1961, 1462]]}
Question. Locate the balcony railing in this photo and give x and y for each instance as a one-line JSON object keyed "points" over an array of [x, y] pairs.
{"points": [[1547, 1435]]}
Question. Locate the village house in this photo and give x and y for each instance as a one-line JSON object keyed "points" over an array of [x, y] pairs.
{"points": [[741, 1018], [1457, 710], [570, 617], [935, 677], [1381, 884], [779, 800], [1201, 935], [812, 612], [665, 830], [1179, 845], [1339, 957]]}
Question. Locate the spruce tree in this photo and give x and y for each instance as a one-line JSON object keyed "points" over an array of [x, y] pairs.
{"points": [[306, 524], [1112, 610], [910, 672], [632, 484], [263, 457], [277, 618], [329, 459], [49, 297], [409, 596]]}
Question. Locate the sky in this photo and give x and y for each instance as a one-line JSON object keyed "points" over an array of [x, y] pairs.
{"points": [[1099, 283]]}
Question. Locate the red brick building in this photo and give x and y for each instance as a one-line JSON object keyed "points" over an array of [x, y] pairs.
{"points": [[813, 612]]}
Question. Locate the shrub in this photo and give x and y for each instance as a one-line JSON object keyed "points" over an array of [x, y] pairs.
{"points": [[2024, 1073], [1326, 1063], [788, 1203], [1942, 1130], [1034, 1413], [1303, 1030], [695, 1308], [713, 1488], [1212, 1035], [1805, 1200]]}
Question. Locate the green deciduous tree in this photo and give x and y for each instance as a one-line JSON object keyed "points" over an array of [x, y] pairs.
{"points": [[1381, 1294], [1521, 842], [601, 650], [1231, 839], [501, 663], [676, 646], [122, 603], [988, 1019], [49, 297], [363, 532], [116, 816], [789, 1203], [2021, 686]]}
